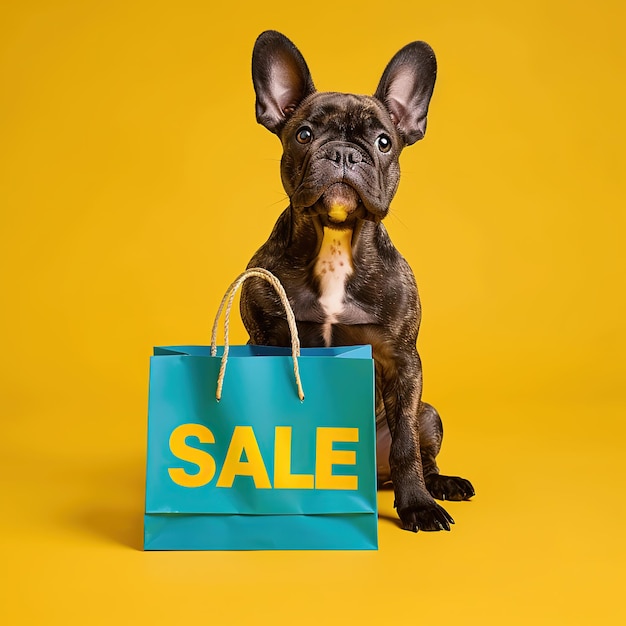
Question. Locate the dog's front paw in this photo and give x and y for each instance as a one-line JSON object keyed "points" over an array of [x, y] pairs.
{"points": [[449, 487], [429, 517]]}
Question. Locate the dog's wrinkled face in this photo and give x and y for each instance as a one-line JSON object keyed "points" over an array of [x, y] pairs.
{"points": [[340, 151], [340, 158]]}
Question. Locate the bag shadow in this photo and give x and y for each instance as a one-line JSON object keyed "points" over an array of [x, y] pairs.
{"points": [[114, 510]]}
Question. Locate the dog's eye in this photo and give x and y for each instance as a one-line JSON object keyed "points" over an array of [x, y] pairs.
{"points": [[383, 143], [304, 135]]}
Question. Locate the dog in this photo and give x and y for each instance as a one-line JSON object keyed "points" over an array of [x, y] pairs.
{"points": [[345, 280]]}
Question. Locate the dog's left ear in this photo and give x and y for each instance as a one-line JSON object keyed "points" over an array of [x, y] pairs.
{"points": [[406, 88], [281, 79]]}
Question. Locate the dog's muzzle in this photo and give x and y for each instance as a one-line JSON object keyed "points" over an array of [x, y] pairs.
{"points": [[340, 185]]}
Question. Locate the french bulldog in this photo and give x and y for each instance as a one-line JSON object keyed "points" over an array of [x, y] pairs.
{"points": [[345, 280]]}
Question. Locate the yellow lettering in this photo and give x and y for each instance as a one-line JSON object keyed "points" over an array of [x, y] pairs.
{"points": [[185, 452], [283, 478], [244, 440], [326, 457]]}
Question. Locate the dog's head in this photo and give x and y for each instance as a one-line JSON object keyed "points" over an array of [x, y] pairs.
{"points": [[340, 151]]}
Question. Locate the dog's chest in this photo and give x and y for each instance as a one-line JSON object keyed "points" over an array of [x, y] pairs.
{"points": [[333, 267]]}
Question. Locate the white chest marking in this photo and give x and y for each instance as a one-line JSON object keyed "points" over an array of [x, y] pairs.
{"points": [[332, 268]]}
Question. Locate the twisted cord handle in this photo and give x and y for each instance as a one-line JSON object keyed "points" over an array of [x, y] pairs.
{"points": [[227, 302]]}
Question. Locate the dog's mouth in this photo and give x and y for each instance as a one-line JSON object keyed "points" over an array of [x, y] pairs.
{"points": [[340, 206]]}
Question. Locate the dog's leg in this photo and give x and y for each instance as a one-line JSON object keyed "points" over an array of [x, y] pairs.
{"points": [[416, 508], [431, 435], [383, 444]]}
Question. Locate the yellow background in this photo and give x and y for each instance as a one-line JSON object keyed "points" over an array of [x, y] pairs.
{"points": [[135, 184]]}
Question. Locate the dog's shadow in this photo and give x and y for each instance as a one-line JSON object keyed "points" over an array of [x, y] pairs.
{"points": [[386, 510]]}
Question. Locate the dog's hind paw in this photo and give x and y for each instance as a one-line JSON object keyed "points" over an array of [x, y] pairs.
{"points": [[449, 487], [430, 517]]}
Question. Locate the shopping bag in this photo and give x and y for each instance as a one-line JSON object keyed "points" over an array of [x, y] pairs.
{"points": [[257, 447]]}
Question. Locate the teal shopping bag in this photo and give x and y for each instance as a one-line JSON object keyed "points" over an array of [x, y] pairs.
{"points": [[238, 461]]}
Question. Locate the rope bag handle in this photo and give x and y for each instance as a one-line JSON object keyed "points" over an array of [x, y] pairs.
{"points": [[227, 303]]}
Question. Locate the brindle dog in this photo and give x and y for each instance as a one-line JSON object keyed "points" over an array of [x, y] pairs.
{"points": [[345, 280]]}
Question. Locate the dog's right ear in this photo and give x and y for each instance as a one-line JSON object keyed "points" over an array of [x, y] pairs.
{"points": [[281, 79]]}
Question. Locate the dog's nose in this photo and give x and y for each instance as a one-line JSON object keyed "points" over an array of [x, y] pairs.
{"points": [[345, 156]]}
